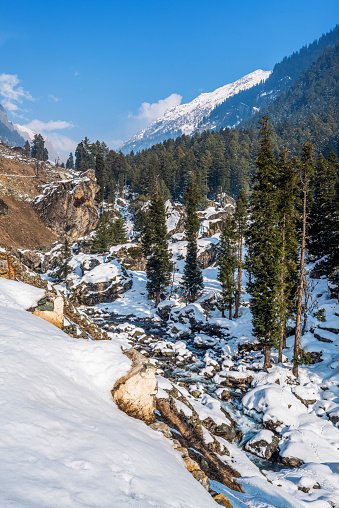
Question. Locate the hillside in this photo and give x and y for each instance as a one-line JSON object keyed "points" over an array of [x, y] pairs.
{"points": [[186, 118], [25, 219], [240, 109], [63, 439]]}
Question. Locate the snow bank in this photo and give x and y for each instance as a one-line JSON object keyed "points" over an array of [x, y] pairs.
{"points": [[17, 295], [104, 272], [63, 441]]}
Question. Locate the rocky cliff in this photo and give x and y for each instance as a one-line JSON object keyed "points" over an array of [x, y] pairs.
{"points": [[68, 206]]}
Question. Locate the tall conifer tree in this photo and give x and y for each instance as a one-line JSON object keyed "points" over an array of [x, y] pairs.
{"points": [[240, 217], [227, 259], [158, 266], [193, 280], [288, 197], [305, 172], [263, 249]]}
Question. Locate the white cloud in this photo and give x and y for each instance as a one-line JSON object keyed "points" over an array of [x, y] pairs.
{"points": [[12, 93], [53, 98], [57, 144], [63, 145], [115, 144], [50, 125], [151, 111]]}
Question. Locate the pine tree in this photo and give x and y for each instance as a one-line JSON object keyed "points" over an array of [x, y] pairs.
{"points": [[305, 172], [38, 150], [70, 162], [102, 235], [193, 280], [288, 197], [240, 217], [118, 234], [158, 266], [263, 247], [64, 269], [83, 155], [227, 260], [323, 211], [27, 149]]}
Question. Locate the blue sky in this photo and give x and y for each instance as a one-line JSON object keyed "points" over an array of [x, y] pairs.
{"points": [[76, 68]]}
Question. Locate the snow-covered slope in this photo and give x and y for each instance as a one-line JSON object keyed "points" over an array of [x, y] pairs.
{"points": [[63, 442], [185, 118]]}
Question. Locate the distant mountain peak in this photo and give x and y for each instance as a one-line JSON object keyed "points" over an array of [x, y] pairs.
{"points": [[185, 118]]}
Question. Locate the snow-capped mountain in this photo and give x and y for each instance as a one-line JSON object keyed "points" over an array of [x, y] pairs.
{"points": [[8, 131], [186, 118]]}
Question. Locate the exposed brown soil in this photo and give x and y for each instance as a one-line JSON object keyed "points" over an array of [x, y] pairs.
{"points": [[22, 228]]}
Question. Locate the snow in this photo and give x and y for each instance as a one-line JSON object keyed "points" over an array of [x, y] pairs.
{"points": [[63, 441], [185, 118], [17, 295], [104, 272]]}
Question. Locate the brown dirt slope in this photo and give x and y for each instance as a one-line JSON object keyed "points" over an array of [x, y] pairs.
{"points": [[20, 226]]}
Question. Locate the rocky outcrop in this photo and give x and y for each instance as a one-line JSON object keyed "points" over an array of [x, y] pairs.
{"points": [[51, 310], [191, 437], [130, 256], [264, 444], [101, 284], [68, 206], [135, 392], [207, 256]]}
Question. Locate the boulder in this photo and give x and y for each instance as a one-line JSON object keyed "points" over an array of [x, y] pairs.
{"points": [[51, 311], [223, 501], [103, 284], [135, 392], [68, 206], [264, 444]]}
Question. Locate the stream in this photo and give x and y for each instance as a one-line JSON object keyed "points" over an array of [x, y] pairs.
{"points": [[189, 374]]}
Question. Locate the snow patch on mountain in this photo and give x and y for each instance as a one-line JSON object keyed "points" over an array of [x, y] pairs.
{"points": [[185, 118]]}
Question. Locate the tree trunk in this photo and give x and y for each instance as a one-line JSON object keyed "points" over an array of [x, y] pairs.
{"points": [[267, 357], [282, 295], [239, 280], [230, 311], [296, 355]]}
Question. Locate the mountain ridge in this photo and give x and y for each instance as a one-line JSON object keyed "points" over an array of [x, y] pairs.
{"points": [[185, 118]]}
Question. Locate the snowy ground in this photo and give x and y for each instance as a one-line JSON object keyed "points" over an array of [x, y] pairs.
{"points": [[63, 443]]}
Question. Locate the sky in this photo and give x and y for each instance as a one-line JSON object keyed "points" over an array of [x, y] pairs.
{"points": [[107, 68]]}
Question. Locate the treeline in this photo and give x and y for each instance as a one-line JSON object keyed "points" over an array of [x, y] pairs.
{"points": [[221, 162], [291, 211]]}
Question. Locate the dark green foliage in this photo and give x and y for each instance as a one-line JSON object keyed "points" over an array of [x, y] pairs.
{"points": [[240, 219], [101, 240], [118, 234], [264, 246], [283, 93], [70, 162], [227, 260], [27, 149], [83, 156], [155, 246], [109, 231], [288, 201], [193, 280], [64, 269], [323, 217], [38, 150]]}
